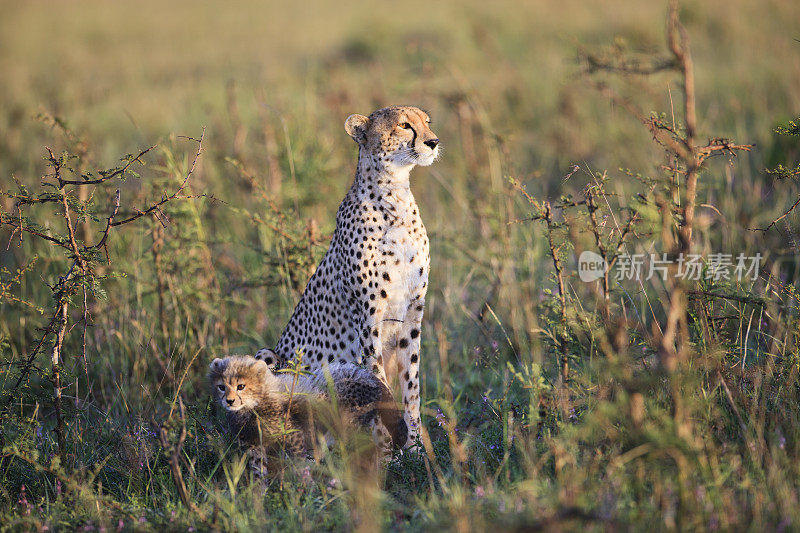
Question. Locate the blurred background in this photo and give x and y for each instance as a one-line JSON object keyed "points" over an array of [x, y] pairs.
{"points": [[126, 74]]}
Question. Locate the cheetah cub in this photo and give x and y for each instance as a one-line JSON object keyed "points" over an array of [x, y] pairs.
{"points": [[274, 412], [365, 301]]}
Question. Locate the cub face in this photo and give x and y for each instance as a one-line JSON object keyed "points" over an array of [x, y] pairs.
{"points": [[238, 382], [402, 133]]}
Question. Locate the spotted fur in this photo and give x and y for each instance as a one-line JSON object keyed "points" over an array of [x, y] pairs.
{"points": [[365, 301]]}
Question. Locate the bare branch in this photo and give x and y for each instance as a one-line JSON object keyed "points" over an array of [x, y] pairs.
{"points": [[139, 213], [105, 177], [679, 45], [110, 221], [784, 215]]}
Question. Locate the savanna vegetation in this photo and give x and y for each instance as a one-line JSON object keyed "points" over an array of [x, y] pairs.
{"points": [[169, 176]]}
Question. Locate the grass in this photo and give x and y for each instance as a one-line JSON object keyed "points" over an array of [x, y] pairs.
{"points": [[510, 447]]}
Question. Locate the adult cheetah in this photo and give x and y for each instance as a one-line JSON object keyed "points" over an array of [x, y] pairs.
{"points": [[365, 301]]}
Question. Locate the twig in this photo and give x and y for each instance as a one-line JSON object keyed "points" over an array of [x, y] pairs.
{"points": [[771, 224], [174, 195], [29, 362], [56, 376], [109, 222], [105, 177], [547, 215]]}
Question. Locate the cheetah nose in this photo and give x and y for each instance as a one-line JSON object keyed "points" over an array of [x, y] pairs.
{"points": [[230, 402], [432, 143]]}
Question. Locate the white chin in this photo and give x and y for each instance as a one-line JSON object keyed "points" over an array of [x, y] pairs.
{"points": [[427, 160]]}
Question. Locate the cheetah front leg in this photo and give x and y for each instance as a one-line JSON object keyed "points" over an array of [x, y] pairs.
{"points": [[408, 350], [372, 339]]}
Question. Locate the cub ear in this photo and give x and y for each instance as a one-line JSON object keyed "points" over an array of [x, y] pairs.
{"points": [[268, 356], [260, 367], [217, 367], [356, 127]]}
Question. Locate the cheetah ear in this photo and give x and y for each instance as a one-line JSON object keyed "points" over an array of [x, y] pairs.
{"points": [[268, 356], [356, 127]]}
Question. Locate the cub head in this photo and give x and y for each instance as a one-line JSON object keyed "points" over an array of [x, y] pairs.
{"points": [[238, 382], [399, 135]]}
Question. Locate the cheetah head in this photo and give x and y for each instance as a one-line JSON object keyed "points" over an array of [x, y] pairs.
{"points": [[238, 382], [399, 136]]}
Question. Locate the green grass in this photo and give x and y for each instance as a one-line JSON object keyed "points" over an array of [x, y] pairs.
{"points": [[272, 85]]}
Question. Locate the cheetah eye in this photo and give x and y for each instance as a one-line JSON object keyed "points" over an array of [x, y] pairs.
{"points": [[221, 388], [406, 126], [240, 386]]}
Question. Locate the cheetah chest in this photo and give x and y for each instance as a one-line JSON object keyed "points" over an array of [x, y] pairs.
{"points": [[404, 248]]}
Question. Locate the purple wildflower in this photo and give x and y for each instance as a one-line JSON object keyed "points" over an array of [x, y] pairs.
{"points": [[305, 476], [22, 501]]}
